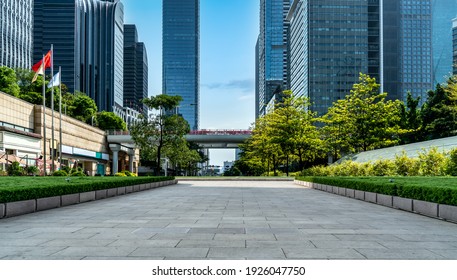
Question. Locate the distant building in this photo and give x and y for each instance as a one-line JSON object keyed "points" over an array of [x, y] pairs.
{"points": [[135, 70], [444, 11], [88, 39], [16, 26], [181, 56], [272, 52]]}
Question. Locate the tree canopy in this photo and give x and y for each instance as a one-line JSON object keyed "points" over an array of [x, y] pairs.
{"points": [[109, 120]]}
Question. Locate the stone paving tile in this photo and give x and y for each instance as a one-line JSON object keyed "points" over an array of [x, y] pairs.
{"points": [[367, 237], [179, 236], [320, 254], [218, 230], [446, 254], [171, 243], [328, 244], [248, 253], [78, 242], [195, 243], [400, 254], [101, 251], [21, 241], [280, 244], [260, 236], [419, 245], [430, 237], [171, 253]]}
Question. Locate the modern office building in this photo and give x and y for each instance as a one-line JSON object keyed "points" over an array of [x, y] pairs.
{"points": [[181, 55], [443, 13], [135, 70], [16, 26], [454, 46], [272, 52], [331, 42], [88, 40]]}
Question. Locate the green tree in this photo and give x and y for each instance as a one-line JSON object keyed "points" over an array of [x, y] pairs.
{"points": [[365, 119], [410, 119], [109, 120], [83, 108], [8, 82], [161, 131], [439, 112]]}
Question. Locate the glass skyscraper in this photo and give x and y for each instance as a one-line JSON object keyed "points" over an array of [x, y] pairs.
{"points": [[272, 52], [135, 70], [444, 11], [181, 56], [88, 39], [16, 26]]}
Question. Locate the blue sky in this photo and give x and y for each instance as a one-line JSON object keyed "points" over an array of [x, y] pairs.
{"points": [[228, 34]]}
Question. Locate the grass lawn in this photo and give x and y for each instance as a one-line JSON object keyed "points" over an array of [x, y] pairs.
{"points": [[24, 188], [434, 189]]}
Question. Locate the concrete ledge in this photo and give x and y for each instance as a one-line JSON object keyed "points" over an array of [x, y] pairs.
{"points": [[48, 203], [403, 203], [121, 191], [386, 200], [342, 191], [86, 196], [448, 212], [350, 193], [136, 188], [129, 189], [336, 190], [69, 199], [329, 188], [101, 194], [370, 197], [20, 208], [143, 187], [425, 208], [2, 210], [359, 194], [111, 192]]}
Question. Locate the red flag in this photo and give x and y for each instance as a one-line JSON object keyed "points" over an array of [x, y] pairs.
{"points": [[47, 62]]}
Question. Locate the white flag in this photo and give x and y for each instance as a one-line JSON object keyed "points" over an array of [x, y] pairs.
{"points": [[55, 81]]}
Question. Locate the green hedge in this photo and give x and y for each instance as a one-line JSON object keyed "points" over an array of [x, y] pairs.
{"points": [[18, 189], [441, 190]]}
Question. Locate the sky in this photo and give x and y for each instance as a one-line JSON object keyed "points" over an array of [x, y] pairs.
{"points": [[228, 34]]}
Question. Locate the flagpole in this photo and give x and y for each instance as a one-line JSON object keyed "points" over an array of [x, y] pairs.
{"points": [[44, 117], [60, 116], [52, 112]]}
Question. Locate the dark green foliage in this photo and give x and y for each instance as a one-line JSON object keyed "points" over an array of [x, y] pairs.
{"points": [[233, 171], [8, 82], [25, 188], [83, 108], [60, 173], [110, 121], [441, 190], [77, 174], [15, 169], [32, 170]]}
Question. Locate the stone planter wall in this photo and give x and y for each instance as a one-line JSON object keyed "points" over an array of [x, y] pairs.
{"points": [[17, 208], [430, 209]]}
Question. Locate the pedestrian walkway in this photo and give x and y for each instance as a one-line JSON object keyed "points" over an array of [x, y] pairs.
{"points": [[227, 220]]}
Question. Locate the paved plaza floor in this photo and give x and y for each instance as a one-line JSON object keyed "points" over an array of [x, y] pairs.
{"points": [[227, 220]]}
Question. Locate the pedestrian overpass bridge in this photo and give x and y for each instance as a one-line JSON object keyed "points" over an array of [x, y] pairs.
{"points": [[205, 138]]}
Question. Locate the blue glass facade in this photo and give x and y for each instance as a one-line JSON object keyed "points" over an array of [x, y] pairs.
{"points": [[444, 11], [181, 55], [272, 52], [88, 39]]}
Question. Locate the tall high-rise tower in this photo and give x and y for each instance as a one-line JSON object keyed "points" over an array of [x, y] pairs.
{"points": [[135, 70], [272, 52], [88, 39], [16, 26], [181, 55]]}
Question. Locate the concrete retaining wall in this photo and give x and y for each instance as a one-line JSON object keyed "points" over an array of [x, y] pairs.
{"points": [[17, 208], [430, 209]]}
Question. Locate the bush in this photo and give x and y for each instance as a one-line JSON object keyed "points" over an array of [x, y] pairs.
{"points": [[15, 169], [120, 174], [60, 173], [128, 173], [451, 168], [32, 170], [383, 168], [78, 174], [406, 166], [433, 163]]}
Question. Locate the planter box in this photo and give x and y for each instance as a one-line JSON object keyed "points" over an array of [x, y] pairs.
{"points": [[20, 208], [129, 189], [155, 185], [359, 194], [350, 193], [111, 192], [143, 187], [448, 212], [425, 208], [69, 199], [328, 188], [86, 196], [2, 210], [403, 203], [336, 190], [121, 191], [136, 188], [101, 194], [385, 200], [370, 197], [342, 191], [48, 203]]}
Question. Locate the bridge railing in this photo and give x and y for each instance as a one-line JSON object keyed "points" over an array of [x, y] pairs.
{"points": [[118, 132], [221, 132]]}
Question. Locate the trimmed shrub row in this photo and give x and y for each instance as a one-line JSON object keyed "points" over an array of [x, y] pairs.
{"points": [[391, 186], [77, 185]]}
